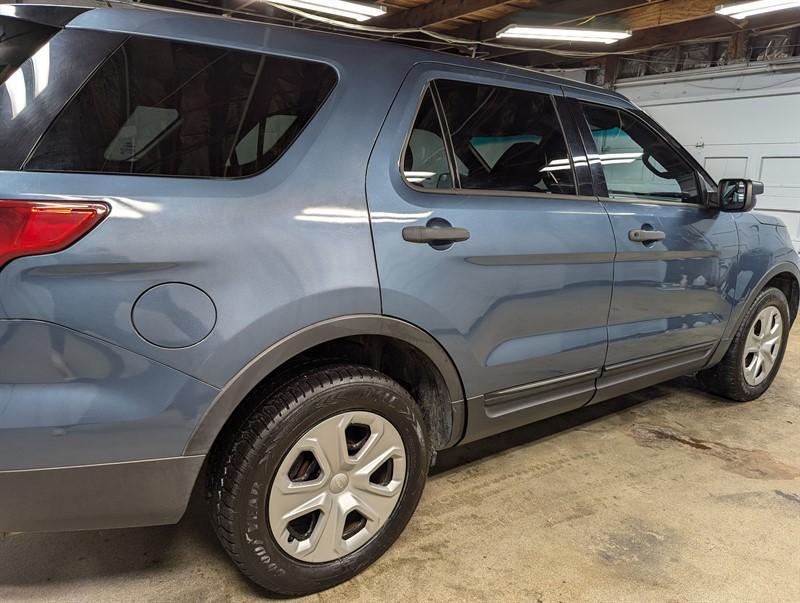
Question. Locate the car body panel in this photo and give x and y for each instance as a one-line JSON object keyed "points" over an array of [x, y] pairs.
{"points": [[675, 293], [514, 319], [69, 399], [293, 213], [765, 251], [526, 298]]}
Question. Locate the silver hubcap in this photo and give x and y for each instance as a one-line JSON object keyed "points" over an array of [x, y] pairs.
{"points": [[763, 345], [337, 486]]}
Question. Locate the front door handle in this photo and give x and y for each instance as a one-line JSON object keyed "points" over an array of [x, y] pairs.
{"points": [[440, 235], [641, 235]]}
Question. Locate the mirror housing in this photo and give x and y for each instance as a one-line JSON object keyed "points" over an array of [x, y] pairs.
{"points": [[736, 194]]}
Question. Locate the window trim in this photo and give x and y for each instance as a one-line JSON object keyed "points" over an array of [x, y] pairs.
{"points": [[428, 88], [32, 152], [465, 192], [600, 176]]}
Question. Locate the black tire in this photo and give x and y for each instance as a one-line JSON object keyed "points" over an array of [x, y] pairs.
{"points": [[727, 379], [241, 473]]}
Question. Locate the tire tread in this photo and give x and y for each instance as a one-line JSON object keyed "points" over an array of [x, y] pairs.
{"points": [[229, 463]]}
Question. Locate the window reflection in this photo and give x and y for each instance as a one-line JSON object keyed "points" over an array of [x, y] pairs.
{"points": [[15, 88], [41, 69]]}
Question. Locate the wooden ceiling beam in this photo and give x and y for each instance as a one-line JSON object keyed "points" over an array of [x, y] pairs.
{"points": [[435, 12], [560, 12], [666, 13], [709, 27]]}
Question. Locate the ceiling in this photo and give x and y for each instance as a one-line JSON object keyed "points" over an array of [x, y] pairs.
{"points": [[470, 26]]}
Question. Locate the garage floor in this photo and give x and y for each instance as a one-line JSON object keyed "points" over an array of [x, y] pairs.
{"points": [[665, 495]]}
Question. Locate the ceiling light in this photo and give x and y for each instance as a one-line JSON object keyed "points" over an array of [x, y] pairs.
{"points": [[341, 8], [564, 34], [748, 9]]}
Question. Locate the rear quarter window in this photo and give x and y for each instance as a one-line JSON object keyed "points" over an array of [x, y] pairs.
{"points": [[41, 67], [162, 108], [19, 41]]}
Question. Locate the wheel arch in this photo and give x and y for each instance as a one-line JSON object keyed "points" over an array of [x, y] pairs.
{"points": [[786, 277], [789, 283], [403, 351]]}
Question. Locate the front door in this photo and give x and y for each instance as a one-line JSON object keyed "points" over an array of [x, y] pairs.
{"points": [[674, 261], [482, 240]]}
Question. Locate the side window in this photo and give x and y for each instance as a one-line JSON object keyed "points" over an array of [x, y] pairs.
{"points": [[19, 41], [506, 139], [40, 69], [158, 107], [425, 161], [637, 162]]}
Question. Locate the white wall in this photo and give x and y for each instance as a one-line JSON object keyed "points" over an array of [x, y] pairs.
{"points": [[739, 122]]}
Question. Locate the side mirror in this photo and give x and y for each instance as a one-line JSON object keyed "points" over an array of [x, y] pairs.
{"points": [[738, 194]]}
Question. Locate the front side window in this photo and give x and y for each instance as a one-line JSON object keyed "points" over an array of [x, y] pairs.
{"points": [[637, 162], [157, 107], [506, 139]]}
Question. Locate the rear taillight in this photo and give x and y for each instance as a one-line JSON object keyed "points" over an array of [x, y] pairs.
{"points": [[36, 227]]}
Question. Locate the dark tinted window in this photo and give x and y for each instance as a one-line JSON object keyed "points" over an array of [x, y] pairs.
{"points": [[637, 162], [19, 40], [172, 109], [506, 139], [33, 92], [425, 162]]}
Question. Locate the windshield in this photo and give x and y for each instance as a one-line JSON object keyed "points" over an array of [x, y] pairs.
{"points": [[19, 40]]}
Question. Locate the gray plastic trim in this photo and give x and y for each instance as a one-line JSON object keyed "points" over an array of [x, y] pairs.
{"points": [[95, 497], [517, 406], [625, 377], [735, 320], [336, 328]]}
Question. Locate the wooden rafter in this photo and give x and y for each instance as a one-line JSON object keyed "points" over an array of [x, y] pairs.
{"points": [[561, 12], [708, 27], [435, 12]]}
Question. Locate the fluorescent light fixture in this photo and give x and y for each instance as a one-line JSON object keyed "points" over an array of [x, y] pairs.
{"points": [[563, 34], [748, 9], [358, 11]]}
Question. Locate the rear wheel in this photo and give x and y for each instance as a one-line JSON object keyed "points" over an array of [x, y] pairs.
{"points": [[756, 352], [320, 480]]}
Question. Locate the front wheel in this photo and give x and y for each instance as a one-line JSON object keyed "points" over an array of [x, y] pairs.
{"points": [[321, 479], [756, 352]]}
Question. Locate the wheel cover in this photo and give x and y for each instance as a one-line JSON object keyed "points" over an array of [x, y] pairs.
{"points": [[337, 486], [763, 346]]}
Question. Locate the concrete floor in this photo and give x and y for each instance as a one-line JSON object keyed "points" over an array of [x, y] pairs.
{"points": [[665, 495]]}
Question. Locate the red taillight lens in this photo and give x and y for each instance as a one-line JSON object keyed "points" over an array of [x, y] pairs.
{"points": [[36, 227]]}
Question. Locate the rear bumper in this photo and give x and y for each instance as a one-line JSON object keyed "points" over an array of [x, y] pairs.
{"points": [[114, 495], [77, 415]]}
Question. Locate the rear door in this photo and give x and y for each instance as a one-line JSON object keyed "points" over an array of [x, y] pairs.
{"points": [[521, 304], [675, 256]]}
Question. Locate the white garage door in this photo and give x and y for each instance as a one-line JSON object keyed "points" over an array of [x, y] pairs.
{"points": [[738, 123]]}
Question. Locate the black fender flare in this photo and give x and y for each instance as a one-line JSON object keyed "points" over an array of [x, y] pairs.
{"points": [[232, 394], [738, 313]]}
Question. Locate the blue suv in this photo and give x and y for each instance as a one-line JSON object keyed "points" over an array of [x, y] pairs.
{"points": [[293, 266]]}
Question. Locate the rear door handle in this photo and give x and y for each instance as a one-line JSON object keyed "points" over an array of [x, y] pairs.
{"points": [[646, 236], [437, 235]]}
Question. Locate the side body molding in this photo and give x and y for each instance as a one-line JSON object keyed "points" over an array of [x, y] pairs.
{"points": [[336, 328]]}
